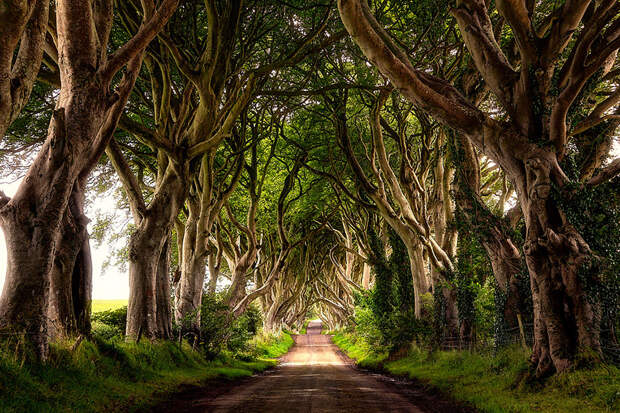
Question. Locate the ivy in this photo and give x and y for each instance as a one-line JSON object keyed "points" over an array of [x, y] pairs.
{"points": [[595, 213]]}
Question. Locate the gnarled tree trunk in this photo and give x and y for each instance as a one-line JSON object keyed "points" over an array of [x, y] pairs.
{"points": [[71, 275], [565, 321], [85, 116], [147, 252]]}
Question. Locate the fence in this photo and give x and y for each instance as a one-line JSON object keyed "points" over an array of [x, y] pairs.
{"points": [[523, 336]]}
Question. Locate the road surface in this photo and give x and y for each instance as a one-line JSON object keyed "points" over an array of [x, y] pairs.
{"points": [[312, 377]]}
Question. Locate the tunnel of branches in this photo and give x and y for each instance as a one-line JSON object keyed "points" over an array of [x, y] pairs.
{"points": [[418, 160]]}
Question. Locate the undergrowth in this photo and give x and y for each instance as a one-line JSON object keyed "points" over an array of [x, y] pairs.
{"points": [[492, 382], [111, 375]]}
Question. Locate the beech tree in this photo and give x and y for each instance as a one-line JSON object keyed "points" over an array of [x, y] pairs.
{"points": [[561, 53], [230, 64], [86, 110]]}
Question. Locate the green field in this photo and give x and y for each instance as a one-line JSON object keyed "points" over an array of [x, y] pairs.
{"points": [[102, 305]]}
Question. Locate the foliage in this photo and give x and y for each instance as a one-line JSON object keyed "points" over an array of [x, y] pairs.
{"points": [[115, 318], [109, 323], [385, 317], [219, 331]]}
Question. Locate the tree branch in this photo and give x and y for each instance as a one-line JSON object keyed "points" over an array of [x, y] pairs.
{"points": [[607, 173], [139, 41]]}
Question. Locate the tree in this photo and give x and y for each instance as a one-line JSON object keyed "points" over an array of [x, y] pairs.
{"points": [[86, 111], [561, 55]]}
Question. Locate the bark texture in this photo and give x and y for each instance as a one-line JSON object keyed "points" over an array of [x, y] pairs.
{"points": [[71, 275]]}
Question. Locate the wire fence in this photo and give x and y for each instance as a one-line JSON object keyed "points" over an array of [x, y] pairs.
{"points": [[523, 336]]}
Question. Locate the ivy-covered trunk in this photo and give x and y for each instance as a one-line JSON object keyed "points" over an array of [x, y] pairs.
{"points": [[565, 321], [507, 266]]}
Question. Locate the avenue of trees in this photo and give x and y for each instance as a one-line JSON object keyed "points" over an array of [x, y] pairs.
{"points": [[393, 159]]}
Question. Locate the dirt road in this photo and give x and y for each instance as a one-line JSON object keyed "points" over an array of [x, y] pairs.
{"points": [[313, 377]]}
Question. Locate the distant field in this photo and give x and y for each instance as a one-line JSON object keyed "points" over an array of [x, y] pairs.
{"points": [[102, 305]]}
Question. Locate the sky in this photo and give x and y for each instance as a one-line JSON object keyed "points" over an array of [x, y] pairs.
{"points": [[108, 285]]}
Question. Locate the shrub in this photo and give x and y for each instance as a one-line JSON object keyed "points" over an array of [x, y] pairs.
{"points": [[114, 318], [220, 331], [105, 331]]}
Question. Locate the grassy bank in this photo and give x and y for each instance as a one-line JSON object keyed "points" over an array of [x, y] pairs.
{"points": [[493, 383], [108, 376]]}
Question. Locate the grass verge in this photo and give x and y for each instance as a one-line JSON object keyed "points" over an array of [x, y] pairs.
{"points": [[106, 376], [493, 382]]}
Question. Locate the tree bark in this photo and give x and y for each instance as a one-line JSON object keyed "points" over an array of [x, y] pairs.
{"points": [[365, 276], [507, 264], [31, 219], [164, 307], [189, 299], [214, 270], [146, 254], [22, 36], [71, 275], [564, 319]]}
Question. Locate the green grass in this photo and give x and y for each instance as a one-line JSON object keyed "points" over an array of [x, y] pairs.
{"points": [[493, 383], [270, 346], [105, 376], [102, 305], [359, 351]]}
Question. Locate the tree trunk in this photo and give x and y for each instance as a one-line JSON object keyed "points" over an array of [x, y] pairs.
{"points": [[366, 276], [189, 299], [214, 272], [146, 247], [565, 322], [71, 275], [164, 307], [506, 263], [237, 288], [187, 311], [31, 219]]}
